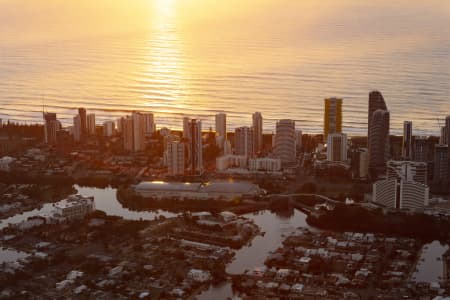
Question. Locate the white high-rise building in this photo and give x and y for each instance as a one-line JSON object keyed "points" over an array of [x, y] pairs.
{"points": [[175, 158], [167, 140], [407, 171], [413, 195], [337, 147], [392, 193], [243, 137], [90, 119], [77, 130], [257, 131], [385, 193], [285, 141], [108, 128]]}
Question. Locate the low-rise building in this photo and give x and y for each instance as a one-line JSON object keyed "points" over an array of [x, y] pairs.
{"points": [[199, 275], [225, 191], [74, 207]]}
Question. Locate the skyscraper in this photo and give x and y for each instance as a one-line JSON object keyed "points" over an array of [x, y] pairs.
{"points": [[407, 141], [337, 147], [285, 141], [298, 140], [420, 149], [127, 132], [186, 131], [257, 131], [360, 163], [108, 128], [138, 131], [244, 138], [441, 162], [195, 147], [447, 126], [376, 102], [447, 132], [133, 132], [50, 128], [378, 134], [167, 140], [221, 125], [332, 117], [149, 124], [90, 119], [175, 158], [221, 129], [77, 128], [443, 137], [82, 114]]}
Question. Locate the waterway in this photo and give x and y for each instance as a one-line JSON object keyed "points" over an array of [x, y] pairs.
{"points": [[430, 266], [276, 228], [105, 199]]}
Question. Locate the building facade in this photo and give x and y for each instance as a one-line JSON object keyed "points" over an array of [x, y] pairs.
{"points": [[332, 117], [395, 194], [441, 164], [77, 131], [379, 145], [337, 147], [285, 138], [108, 128], [243, 141], [420, 149], [265, 164], [226, 162], [221, 129], [257, 121], [407, 171], [176, 158], [407, 141], [51, 126], [149, 124], [90, 119], [82, 114], [195, 147]]}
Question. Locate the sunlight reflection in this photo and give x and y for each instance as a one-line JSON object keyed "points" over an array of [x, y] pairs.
{"points": [[165, 67]]}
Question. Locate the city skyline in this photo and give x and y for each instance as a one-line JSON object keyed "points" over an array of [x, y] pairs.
{"points": [[239, 149]]}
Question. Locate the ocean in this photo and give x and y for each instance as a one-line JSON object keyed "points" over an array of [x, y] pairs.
{"points": [[195, 58]]}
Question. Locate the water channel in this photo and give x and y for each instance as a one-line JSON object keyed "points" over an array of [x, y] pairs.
{"points": [[275, 228]]}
